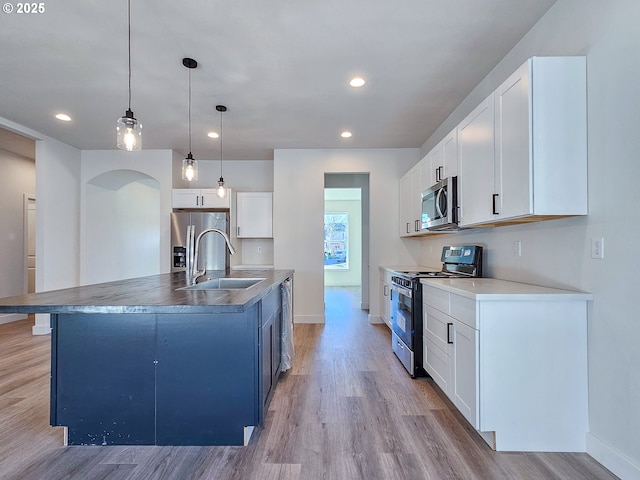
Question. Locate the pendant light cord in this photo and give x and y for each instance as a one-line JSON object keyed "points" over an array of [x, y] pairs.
{"points": [[129, 21], [189, 110], [221, 137]]}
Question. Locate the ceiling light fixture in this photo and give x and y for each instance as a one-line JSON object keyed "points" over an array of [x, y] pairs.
{"points": [[63, 116], [222, 191], [189, 164], [346, 134], [213, 135], [128, 128], [357, 82]]}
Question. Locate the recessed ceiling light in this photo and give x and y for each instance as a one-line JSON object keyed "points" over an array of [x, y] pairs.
{"points": [[213, 135], [346, 134], [357, 82], [63, 116]]}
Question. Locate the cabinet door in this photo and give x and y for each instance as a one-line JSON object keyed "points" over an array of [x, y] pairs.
{"points": [[513, 179], [385, 302], [210, 199], [416, 200], [450, 154], [436, 164], [476, 154], [254, 214], [405, 226], [186, 198], [438, 333], [267, 355], [466, 371]]}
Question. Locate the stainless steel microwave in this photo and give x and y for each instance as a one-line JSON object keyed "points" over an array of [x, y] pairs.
{"points": [[440, 205]]}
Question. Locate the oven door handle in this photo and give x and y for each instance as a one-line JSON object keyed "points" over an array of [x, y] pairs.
{"points": [[401, 291]]}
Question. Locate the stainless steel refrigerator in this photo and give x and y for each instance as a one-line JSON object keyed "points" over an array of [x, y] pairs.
{"points": [[214, 254]]}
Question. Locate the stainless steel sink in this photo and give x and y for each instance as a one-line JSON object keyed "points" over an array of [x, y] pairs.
{"points": [[224, 283]]}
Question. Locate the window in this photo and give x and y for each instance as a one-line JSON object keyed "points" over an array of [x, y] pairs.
{"points": [[336, 241]]}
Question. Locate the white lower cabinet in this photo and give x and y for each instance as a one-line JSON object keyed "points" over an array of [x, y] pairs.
{"points": [[437, 347], [514, 365], [464, 392], [385, 296]]}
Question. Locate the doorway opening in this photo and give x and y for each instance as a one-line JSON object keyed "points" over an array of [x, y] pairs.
{"points": [[346, 241]]}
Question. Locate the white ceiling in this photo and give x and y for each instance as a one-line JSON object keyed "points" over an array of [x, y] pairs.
{"points": [[280, 66]]}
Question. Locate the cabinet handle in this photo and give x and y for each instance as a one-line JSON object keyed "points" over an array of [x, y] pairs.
{"points": [[408, 227], [449, 325], [197, 200], [415, 226], [237, 231], [437, 172], [495, 197], [385, 290], [202, 200]]}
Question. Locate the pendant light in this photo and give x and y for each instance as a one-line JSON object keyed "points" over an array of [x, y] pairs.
{"points": [[128, 128], [189, 164], [222, 191]]}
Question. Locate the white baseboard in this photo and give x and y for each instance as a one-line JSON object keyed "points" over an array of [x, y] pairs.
{"points": [[12, 317], [40, 330], [611, 459], [308, 319], [375, 319]]}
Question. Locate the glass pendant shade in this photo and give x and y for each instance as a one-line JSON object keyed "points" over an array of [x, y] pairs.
{"points": [[190, 168], [129, 132], [221, 190]]}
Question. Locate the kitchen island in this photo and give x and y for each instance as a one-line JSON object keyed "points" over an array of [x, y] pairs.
{"points": [[145, 362]]}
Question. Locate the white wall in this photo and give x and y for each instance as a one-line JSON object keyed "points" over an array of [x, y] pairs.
{"points": [[557, 253], [18, 178], [126, 206], [299, 217]]}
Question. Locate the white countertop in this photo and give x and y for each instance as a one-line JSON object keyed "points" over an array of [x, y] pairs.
{"points": [[494, 289]]}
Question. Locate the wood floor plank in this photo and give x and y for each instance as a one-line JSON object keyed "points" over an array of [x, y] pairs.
{"points": [[346, 410]]}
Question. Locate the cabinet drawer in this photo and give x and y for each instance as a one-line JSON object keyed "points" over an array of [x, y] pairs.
{"points": [[464, 309], [437, 327], [435, 297], [439, 365]]}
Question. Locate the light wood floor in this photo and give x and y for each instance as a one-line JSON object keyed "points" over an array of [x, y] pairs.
{"points": [[345, 411]]}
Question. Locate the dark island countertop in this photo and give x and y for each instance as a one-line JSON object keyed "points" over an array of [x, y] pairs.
{"points": [[152, 294]]}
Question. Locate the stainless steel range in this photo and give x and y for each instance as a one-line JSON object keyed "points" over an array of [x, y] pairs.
{"points": [[406, 297]]}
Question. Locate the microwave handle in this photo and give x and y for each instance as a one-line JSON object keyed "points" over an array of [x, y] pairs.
{"points": [[440, 192]]}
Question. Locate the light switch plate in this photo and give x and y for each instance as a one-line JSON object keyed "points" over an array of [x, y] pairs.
{"points": [[597, 247]]}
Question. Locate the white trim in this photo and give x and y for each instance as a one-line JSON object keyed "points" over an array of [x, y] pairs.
{"points": [[308, 319], [12, 317], [611, 459], [375, 319]]}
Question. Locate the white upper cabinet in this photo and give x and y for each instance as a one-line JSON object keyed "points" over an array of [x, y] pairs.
{"points": [[412, 184], [523, 152], [476, 153], [206, 198], [254, 214], [443, 159], [541, 139]]}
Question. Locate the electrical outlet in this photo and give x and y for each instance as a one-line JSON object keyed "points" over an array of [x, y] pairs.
{"points": [[517, 248], [597, 247]]}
